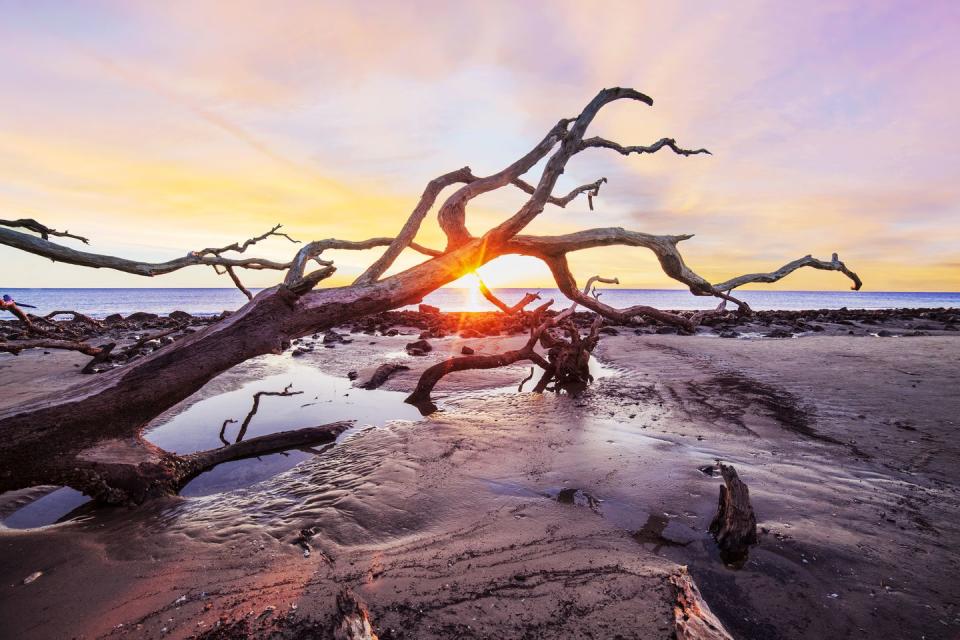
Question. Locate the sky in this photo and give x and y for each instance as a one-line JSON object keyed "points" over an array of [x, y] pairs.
{"points": [[158, 128]]}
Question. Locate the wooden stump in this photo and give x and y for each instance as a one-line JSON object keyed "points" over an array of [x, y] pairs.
{"points": [[735, 525], [692, 618]]}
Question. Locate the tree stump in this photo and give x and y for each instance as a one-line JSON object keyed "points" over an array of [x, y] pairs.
{"points": [[735, 525]]}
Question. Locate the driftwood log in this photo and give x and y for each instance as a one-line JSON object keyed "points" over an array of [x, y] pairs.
{"points": [[352, 621], [53, 440], [692, 617], [734, 526]]}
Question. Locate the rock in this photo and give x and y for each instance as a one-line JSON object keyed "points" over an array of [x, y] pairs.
{"points": [[729, 333], [610, 331], [426, 308], [467, 351], [422, 346], [391, 332], [883, 333], [470, 333], [352, 375], [779, 333], [331, 337], [141, 316], [666, 330], [180, 316], [113, 318], [300, 351]]}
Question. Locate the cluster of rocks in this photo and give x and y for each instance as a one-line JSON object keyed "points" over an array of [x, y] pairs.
{"points": [[131, 334]]}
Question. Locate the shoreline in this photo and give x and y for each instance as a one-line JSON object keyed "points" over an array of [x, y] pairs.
{"points": [[452, 524]]}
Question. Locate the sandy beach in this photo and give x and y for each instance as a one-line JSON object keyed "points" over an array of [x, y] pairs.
{"points": [[513, 515]]}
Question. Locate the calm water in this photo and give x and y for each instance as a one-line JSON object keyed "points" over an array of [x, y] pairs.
{"points": [[103, 302]]}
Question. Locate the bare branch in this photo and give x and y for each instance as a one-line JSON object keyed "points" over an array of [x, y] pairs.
{"points": [[236, 281], [60, 253], [409, 231], [452, 215], [592, 190], [807, 261], [670, 143], [44, 231], [16, 346], [558, 161], [256, 406], [240, 248], [500, 304]]}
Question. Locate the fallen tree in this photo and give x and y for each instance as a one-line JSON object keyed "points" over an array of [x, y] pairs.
{"points": [[64, 439]]}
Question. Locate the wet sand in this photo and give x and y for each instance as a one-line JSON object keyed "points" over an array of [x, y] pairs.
{"points": [[512, 515]]}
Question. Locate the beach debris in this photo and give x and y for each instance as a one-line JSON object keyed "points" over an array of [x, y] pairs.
{"points": [[33, 576], [353, 619], [692, 617], [734, 526], [382, 374]]}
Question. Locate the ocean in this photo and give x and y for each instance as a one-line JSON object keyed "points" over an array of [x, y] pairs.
{"points": [[99, 303]]}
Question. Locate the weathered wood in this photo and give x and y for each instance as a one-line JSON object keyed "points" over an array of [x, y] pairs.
{"points": [[352, 620], [40, 441], [734, 526], [692, 617]]}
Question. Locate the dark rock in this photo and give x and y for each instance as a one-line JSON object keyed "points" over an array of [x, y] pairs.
{"points": [[666, 330], [180, 316], [391, 332], [352, 375], [426, 308], [467, 351], [729, 333], [610, 331], [141, 316], [420, 345], [113, 318], [883, 333], [331, 337]]}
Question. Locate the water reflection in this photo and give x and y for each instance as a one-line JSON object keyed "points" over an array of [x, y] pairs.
{"points": [[319, 398], [46, 510]]}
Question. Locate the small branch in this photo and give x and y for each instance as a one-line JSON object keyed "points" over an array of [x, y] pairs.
{"points": [[240, 248], [16, 346], [236, 281], [592, 190], [44, 231], [256, 406], [75, 317], [500, 304], [669, 143]]}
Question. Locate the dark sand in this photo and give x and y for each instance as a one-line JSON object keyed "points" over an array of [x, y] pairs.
{"points": [[452, 527]]}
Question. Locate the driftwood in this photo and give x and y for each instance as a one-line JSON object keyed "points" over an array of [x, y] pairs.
{"points": [[43, 442], [692, 618], [382, 374], [735, 525], [352, 620]]}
